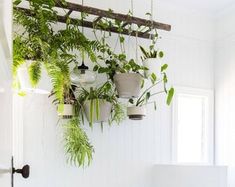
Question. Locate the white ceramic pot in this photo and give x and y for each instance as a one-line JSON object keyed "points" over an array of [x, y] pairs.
{"points": [[67, 111], [136, 112], [44, 85], [128, 84], [154, 66], [105, 109]]}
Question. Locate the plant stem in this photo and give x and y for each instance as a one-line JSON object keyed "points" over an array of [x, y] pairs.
{"points": [[140, 98]]}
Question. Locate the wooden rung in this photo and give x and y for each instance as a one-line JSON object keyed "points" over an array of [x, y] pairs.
{"points": [[97, 19], [112, 15], [69, 12], [125, 24], [89, 24]]}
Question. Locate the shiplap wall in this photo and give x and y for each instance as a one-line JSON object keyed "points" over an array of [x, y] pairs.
{"points": [[124, 155], [225, 91]]}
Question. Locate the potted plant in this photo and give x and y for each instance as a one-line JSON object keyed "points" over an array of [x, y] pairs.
{"points": [[66, 107], [100, 104], [28, 68], [37, 45], [138, 109], [126, 75], [152, 60], [66, 110]]}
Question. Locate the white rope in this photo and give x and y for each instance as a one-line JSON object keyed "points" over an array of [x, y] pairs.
{"points": [[151, 19], [82, 18]]}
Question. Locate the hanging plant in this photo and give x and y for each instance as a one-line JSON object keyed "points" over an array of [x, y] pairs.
{"points": [[126, 74], [138, 109], [78, 149], [37, 44], [100, 105]]}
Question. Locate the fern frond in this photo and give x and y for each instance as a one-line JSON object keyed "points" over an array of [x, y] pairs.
{"points": [[77, 146], [34, 71]]}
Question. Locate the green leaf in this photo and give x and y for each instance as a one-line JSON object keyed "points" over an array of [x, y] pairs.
{"points": [[148, 95], [170, 96], [131, 101], [122, 39], [160, 54], [155, 105], [78, 149], [97, 109], [164, 67], [153, 78], [91, 112], [34, 71], [95, 68]]}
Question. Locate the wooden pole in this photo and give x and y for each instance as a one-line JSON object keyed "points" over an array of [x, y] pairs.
{"points": [[112, 15], [89, 24]]}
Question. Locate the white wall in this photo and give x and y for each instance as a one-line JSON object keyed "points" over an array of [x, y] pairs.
{"points": [[193, 176], [5, 96], [225, 91], [124, 155]]}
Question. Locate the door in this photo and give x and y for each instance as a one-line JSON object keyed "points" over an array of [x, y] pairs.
{"points": [[5, 95]]}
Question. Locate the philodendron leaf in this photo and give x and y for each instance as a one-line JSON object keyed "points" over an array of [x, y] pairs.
{"points": [[148, 95], [164, 67], [131, 101], [160, 54], [122, 39], [142, 83], [95, 68], [153, 78], [170, 96]]}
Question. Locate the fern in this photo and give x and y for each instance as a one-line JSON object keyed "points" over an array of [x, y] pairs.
{"points": [[60, 78], [34, 71], [77, 146]]}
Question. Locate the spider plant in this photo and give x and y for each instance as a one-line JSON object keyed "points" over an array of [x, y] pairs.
{"points": [[151, 53], [95, 99]]}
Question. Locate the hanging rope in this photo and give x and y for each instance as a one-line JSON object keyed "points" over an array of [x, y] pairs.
{"points": [[151, 19], [82, 18]]}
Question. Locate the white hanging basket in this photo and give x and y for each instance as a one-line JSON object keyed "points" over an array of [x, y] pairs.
{"points": [[105, 109], [128, 84], [154, 66], [136, 112], [44, 85], [67, 111]]}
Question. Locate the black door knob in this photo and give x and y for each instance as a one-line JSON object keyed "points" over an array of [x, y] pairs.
{"points": [[24, 171]]}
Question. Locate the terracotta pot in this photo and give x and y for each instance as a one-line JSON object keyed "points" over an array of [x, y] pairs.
{"points": [[105, 109], [128, 84], [44, 85], [67, 111], [136, 112], [154, 66]]}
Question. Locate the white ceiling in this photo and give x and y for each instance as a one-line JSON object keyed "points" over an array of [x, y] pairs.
{"points": [[212, 6]]}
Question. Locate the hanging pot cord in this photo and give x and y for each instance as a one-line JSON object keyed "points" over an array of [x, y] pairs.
{"points": [[151, 19], [82, 18]]}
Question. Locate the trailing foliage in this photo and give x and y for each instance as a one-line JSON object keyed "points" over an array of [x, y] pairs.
{"points": [[77, 146], [39, 42], [150, 92]]}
